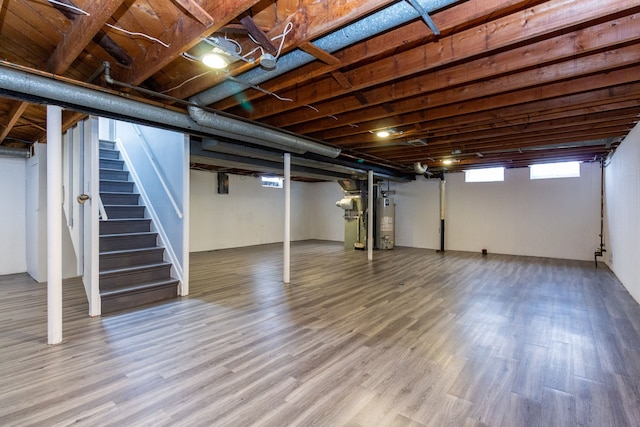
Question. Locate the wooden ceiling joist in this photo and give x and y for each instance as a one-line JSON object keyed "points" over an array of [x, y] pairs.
{"points": [[17, 108], [83, 29], [435, 55]]}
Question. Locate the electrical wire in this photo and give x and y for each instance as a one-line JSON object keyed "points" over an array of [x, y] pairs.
{"points": [[258, 88], [68, 6], [139, 34], [186, 81], [287, 29]]}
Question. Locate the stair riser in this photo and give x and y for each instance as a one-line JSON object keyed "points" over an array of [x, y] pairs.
{"points": [[114, 175], [119, 199], [131, 259], [120, 243], [109, 154], [117, 212], [108, 145], [119, 227], [111, 164], [119, 187], [136, 299], [114, 281]]}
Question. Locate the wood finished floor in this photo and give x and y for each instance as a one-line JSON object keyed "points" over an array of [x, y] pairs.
{"points": [[415, 338]]}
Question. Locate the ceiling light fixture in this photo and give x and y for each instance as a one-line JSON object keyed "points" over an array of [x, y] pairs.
{"points": [[214, 59], [447, 161], [383, 133]]}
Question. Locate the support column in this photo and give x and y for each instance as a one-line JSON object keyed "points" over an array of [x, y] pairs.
{"points": [[442, 212], [54, 224], [370, 217], [287, 218]]}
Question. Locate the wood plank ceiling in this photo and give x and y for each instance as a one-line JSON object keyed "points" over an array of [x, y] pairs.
{"points": [[502, 83]]}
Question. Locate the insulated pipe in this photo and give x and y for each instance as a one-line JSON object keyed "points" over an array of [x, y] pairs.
{"points": [[277, 139], [54, 224], [14, 152], [287, 218], [17, 83], [384, 20]]}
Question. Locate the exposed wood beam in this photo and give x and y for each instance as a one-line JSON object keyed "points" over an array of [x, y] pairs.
{"points": [[616, 86], [183, 37], [315, 20], [459, 18], [17, 108], [102, 39], [546, 21], [320, 54], [83, 29], [195, 10], [341, 79], [262, 39], [573, 68]]}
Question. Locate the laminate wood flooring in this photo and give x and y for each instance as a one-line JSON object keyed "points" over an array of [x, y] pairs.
{"points": [[415, 338]]}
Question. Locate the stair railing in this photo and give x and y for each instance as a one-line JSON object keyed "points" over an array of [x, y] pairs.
{"points": [[103, 211], [147, 151]]}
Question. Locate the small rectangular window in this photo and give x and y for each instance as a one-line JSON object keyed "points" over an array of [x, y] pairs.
{"points": [[273, 182], [555, 170], [484, 175]]}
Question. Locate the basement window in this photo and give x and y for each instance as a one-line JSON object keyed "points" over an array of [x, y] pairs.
{"points": [[272, 181], [555, 170], [484, 175]]}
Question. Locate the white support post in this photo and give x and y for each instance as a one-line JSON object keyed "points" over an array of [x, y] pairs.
{"points": [[370, 217], [287, 218], [54, 224]]}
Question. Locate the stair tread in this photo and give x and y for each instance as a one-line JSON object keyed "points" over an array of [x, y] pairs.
{"points": [[139, 288], [113, 170], [126, 251], [135, 233], [120, 206], [124, 270], [118, 193], [113, 180], [125, 219]]}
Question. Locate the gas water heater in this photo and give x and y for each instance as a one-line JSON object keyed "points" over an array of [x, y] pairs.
{"points": [[356, 217]]}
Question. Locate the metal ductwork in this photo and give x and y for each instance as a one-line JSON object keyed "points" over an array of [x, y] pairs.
{"points": [[257, 133], [18, 83], [384, 20], [14, 152], [343, 167], [419, 169]]}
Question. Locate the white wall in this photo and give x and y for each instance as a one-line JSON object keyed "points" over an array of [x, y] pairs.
{"points": [[13, 224], [327, 222], [556, 218], [622, 178], [249, 215]]}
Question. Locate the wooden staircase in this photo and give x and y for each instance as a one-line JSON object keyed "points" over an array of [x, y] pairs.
{"points": [[132, 267]]}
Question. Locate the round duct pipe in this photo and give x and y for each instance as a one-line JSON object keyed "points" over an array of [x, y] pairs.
{"points": [[14, 152]]}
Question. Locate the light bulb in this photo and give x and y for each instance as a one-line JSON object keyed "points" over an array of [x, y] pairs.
{"points": [[214, 60], [383, 133]]}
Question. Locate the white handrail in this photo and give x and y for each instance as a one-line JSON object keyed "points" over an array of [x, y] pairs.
{"points": [[152, 161], [103, 212]]}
